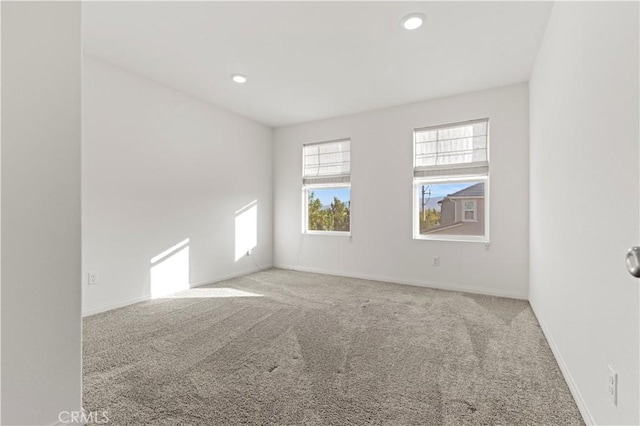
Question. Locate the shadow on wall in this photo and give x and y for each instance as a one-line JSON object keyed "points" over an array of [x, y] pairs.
{"points": [[170, 270], [246, 229]]}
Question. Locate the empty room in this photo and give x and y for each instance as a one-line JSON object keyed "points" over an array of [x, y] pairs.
{"points": [[320, 213]]}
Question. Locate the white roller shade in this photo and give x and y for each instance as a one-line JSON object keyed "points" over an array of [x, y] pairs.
{"points": [[327, 162], [454, 149]]}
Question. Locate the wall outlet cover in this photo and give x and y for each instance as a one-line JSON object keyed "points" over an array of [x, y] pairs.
{"points": [[612, 385], [93, 278]]}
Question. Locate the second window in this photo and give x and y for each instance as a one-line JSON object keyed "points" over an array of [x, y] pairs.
{"points": [[451, 182]]}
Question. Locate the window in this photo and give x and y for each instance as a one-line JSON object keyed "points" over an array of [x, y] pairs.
{"points": [[451, 182], [470, 212], [326, 183]]}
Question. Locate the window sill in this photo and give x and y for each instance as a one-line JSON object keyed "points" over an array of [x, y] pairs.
{"points": [[328, 233], [453, 238]]}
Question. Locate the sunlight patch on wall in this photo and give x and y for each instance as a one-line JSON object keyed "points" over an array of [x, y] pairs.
{"points": [[211, 293], [170, 270], [246, 229]]}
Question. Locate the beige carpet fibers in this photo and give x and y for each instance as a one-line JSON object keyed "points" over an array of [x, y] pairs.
{"points": [[292, 348]]}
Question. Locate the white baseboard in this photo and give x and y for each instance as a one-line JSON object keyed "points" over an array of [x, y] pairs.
{"points": [[114, 305], [226, 277], [126, 302], [575, 392], [428, 284]]}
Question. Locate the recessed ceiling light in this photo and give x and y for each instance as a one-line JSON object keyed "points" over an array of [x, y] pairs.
{"points": [[412, 21], [239, 78]]}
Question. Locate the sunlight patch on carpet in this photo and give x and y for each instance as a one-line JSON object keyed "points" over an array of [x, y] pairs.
{"points": [[210, 293]]}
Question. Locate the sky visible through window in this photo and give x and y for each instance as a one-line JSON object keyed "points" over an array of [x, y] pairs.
{"points": [[438, 190], [444, 189], [325, 195]]}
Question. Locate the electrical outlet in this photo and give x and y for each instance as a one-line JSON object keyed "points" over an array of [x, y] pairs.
{"points": [[612, 386], [436, 261], [93, 278]]}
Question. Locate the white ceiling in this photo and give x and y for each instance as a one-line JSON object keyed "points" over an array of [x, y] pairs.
{"points": [[307, 61]]}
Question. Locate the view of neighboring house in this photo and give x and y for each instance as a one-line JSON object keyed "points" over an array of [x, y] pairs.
{"points": [[461, 213]]}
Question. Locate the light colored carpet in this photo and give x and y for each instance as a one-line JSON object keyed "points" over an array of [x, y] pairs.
{"points": [[322, 350]]}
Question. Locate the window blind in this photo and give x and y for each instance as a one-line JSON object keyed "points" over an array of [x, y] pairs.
{"points": [[327, 162], [453, 149]]}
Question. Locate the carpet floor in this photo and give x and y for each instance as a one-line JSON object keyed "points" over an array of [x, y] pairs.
{"points": [[291, 348]]}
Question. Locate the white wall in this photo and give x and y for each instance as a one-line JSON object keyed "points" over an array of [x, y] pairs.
{"points": [[41, 343], [382, 246], [584, 200], [159, 167]]}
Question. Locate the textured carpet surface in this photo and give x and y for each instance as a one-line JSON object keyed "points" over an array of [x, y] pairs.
{"points": [[293, 348]]}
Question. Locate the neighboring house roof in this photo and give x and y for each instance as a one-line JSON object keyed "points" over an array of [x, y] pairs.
{"points": [[476, 190]]}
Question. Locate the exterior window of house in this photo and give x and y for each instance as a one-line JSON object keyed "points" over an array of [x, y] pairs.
{"points": [[326, 187], [469, 211], [451, 182]]}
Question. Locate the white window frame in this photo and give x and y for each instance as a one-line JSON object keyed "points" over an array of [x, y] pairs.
{"points": [[460, 238], [418, 181], [474, 209], [305, 209], [308, 187]]}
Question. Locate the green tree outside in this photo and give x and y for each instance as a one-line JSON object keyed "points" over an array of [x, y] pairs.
{"points": [[430, 219], [335, 218]]}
